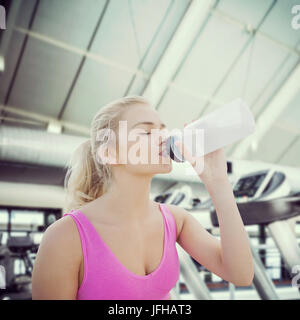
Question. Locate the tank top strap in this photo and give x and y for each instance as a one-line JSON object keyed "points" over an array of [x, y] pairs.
{"points": [[171, 222], [85, 227], [81, 227]]}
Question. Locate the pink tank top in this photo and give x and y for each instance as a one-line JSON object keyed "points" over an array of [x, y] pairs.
{"points": [[105, 278]]}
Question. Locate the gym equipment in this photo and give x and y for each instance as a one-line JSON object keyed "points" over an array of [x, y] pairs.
{"points": [[18, 287], [191, 276], [261, 185], [262, 282], [285, 205], [256, 186], [258, 193]]}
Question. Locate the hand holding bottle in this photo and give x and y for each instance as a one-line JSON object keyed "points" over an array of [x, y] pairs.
{"points": [[211, 167]]}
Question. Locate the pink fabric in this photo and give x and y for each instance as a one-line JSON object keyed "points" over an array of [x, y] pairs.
{"points": [[105, 278]]}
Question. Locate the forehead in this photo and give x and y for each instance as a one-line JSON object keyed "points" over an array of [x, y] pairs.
{"points": [[140, 113]]}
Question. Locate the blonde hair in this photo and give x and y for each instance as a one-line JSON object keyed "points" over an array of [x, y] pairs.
{"points": [[87, 179]]}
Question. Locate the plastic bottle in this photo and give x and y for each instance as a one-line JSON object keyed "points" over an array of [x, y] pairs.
{"points": [[222, 127]]}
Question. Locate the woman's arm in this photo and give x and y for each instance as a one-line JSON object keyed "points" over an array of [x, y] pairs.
{"points": [[230, 258], [56, 267], [235, 250]]}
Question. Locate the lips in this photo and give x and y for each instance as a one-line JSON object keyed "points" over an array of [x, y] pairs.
{"points": [[163, 152]]}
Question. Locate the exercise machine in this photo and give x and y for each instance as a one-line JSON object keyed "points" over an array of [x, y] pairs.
{"points": [[17, 286], [264, 198]]}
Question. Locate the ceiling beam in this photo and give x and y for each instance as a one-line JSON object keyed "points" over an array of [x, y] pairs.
{"points": [[177, 49], [81, 52], [279, 102], [45, 119], [243, 25]]}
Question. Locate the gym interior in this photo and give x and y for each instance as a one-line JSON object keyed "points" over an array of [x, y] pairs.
{"points": [[60, 61]]}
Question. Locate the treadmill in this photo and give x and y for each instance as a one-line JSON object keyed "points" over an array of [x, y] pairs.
{"points": [[265, 198]]}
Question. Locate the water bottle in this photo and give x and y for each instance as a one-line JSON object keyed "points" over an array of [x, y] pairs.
{"points": [[222, 127]]}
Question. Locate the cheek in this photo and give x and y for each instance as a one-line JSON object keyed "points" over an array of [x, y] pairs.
{"points": [[145, 148], [134, 150], [141, 148]]}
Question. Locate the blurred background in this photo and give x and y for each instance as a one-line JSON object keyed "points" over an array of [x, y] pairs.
{"points": [[60, 61]]}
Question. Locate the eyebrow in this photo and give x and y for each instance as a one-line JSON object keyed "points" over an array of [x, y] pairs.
{"points": [[149, 122]]}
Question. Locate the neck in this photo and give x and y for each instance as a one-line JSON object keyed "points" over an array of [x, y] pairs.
{"points": [[129, 195]]}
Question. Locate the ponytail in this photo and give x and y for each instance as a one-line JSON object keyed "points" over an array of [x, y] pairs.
{"points": [[81, 181]]}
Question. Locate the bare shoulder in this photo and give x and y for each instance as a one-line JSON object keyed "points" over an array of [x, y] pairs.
{"points": [[63, 235], [57, 263], [179, 215], [63, 226]]}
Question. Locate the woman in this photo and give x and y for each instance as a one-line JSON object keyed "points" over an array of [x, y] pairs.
{"points": [[116, 243]]}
